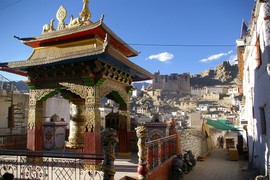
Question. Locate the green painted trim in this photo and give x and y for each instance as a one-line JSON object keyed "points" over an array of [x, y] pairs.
{"points": [[88, 81], [117, 97], [100, 81], [31, 85], [130, 90], [51, 94]]}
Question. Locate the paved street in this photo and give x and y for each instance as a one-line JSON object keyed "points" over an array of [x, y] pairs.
{"points": [[126, 166], [218, 167]]}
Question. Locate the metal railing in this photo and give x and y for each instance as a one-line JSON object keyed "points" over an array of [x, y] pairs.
{"points": [[51, 165], [159, 150]]}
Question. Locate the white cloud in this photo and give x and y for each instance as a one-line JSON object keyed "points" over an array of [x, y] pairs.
{"points": [[215, 56], [163, 57], [233, 59], [147, 81]]}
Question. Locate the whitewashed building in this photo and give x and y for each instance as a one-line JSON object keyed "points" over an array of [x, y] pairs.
{"points": [[233, 90], [253, 50], [203, 107]]}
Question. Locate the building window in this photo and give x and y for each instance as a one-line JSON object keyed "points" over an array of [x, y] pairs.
{"points": [[263, 120], [259, 53], [248, 75], [253, 114], [11, 116]]}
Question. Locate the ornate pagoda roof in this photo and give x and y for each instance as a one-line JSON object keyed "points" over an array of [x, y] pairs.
{"points": [[79, 41], [80, 32]]}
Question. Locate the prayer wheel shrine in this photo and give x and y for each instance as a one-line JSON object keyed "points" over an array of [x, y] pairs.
{"points": [[84, 61]]}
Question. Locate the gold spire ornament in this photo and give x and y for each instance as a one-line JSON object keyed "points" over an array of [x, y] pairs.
{"points": [[61, 16], [48, 27], [85, 13]]}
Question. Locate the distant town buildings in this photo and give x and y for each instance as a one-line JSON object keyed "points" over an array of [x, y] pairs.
{"points": [[209, 89], [172, 95]]}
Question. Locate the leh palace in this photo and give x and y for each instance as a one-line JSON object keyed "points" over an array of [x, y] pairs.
{"points": [[85, 113]]}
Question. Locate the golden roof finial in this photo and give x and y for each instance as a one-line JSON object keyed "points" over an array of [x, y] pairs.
{"points": [[85, 13], [61, 16]]}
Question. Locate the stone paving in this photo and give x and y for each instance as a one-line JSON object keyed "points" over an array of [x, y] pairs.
{"points": [[126, 166], [218, 167]]}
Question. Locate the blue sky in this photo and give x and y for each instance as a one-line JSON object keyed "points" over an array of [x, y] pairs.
{"points": [[174, 36]]}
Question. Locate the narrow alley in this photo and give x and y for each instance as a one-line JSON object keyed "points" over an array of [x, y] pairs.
{"points": [[218, 166]]}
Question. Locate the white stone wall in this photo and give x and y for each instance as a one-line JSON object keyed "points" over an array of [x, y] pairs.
{"points": [[198, 91], [5, 103], [195, 119], [217, 89], [211, 96], [256, 86], [58, 106], [191, 139], [4, 112]]}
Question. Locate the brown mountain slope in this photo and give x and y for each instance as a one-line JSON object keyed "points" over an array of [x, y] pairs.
{"points": [[223, 74]]}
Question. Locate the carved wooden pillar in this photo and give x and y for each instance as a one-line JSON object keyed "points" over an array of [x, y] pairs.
{"points": [[92, 137], [124, 127], [35, 119], [178, 144], [142, 169], [76, 132], [128, 114], [109, 140]]}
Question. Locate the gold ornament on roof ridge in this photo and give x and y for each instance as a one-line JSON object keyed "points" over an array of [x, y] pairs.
{"points": [[48, 27], [85, 13], [61, 16], [74, 22]]}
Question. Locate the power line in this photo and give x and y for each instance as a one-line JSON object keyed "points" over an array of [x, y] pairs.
{"points": [[9, 5], [183, 45]]}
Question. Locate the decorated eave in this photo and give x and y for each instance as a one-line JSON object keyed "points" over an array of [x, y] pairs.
{"points": [[80, 41], [106, 53]]}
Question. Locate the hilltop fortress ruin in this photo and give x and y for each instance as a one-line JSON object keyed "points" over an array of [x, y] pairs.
{"points": [[179, 83]]}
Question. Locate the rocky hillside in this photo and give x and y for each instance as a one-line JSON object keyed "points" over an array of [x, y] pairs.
{"points": [[223, 74], [19, 85]]}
